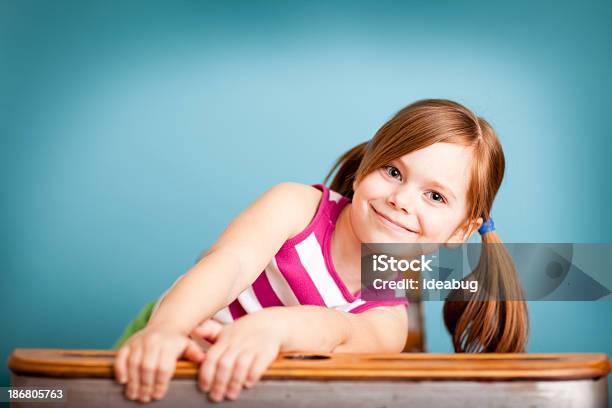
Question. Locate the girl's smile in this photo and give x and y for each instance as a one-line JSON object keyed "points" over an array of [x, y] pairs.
{"points": [[389, 223]]}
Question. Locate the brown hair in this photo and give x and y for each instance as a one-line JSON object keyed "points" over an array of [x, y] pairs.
{"points": [[475, 325]]}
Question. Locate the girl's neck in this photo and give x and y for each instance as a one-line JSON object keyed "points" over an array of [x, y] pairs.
{"points": [[346, 251]]}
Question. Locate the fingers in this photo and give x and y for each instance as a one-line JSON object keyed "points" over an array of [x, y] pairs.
{"points": [[258, 367], [133, 368], [225, 369], [147, 362], [208, 330], [225, 372], [148, 369], [194, 352], [209, 366], [120, 365], [165, 370], [241, 369]]}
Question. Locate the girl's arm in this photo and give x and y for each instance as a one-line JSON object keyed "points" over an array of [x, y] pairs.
{"points": [[318, 329], [243, 350], [147, 360], [238, 257]]}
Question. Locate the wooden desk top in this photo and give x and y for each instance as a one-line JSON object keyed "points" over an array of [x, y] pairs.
{"points": [[373, 367]]}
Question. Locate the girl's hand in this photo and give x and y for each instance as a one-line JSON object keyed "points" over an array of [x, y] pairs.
{"points": [[146, 362], [241, 352]]}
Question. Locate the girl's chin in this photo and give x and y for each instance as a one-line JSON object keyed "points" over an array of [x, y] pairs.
{"points": [[393, 239]]}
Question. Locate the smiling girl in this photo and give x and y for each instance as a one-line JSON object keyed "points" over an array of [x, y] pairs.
{"points": [[285, 274]]}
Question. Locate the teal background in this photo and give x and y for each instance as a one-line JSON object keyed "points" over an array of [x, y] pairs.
{"points": [[132, 132]]}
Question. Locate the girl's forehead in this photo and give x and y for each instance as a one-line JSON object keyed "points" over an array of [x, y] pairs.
{"points": [[440, 151]]}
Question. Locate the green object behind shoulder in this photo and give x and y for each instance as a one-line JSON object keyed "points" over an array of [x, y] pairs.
{"points": [[138, 323]]}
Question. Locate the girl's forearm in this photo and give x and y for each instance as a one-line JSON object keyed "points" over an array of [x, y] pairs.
{"points": [[310, 328], [207, 287], [320, 329]]}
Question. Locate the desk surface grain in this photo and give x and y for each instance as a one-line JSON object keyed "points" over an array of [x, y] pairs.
{"points": [[339, 366]]}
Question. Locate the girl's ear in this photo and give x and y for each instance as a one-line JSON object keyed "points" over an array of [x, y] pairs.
{"points": [[464, 232]]}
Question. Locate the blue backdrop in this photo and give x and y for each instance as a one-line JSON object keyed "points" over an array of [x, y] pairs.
{"points": [[132, 132]]}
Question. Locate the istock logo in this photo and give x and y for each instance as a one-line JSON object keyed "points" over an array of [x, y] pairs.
{"points": [[383, 263]]}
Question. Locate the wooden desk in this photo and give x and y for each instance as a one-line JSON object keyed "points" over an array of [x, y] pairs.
{"points": [[343, 380]]}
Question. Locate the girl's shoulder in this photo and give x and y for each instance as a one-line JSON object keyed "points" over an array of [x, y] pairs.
{"points": [[304, 200], [315, 203], [309, 192]]}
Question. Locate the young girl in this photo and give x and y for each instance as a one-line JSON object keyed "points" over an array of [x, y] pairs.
{"points": [[285, 274]]}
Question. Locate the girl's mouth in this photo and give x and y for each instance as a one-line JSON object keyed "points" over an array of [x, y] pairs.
{"points": [[389, 223]]}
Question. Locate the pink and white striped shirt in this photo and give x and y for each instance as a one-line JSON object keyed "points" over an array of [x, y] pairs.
{"points": [[302, 271]]}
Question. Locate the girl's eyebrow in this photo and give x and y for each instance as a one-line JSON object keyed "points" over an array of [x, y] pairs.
{"points": [[433, 183]]}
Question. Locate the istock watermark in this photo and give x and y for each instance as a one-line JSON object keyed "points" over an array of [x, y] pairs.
{"points": [[388, 263], [429, 284], [383, 263], [474, 271]]}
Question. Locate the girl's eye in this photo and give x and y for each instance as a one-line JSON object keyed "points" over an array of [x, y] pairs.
{"points": [[437, 197], [393, 172]]}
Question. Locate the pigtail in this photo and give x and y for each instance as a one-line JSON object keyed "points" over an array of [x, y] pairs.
{"points": [[347, 166], [499, 324]]}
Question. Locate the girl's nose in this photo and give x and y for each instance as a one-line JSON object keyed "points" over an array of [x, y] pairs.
{"points": [[403, 200]]}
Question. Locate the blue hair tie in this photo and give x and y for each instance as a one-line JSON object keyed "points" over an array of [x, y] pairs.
{"points": [[486, 226]]}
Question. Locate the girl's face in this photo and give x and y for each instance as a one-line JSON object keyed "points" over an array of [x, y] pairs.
{"points": [[420, 197]]}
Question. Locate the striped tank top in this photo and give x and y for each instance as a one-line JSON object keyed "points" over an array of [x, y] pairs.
{"points": [[302, 271]]}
